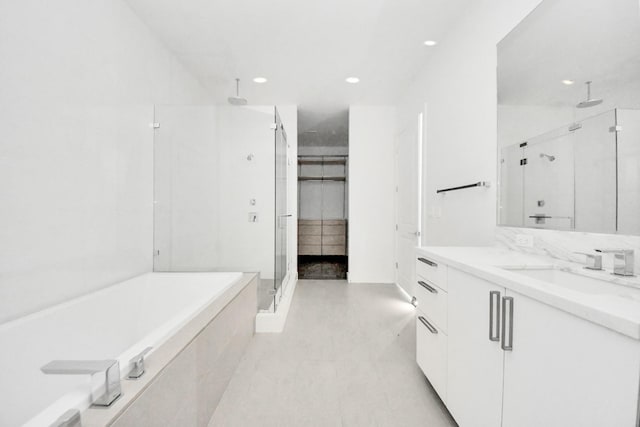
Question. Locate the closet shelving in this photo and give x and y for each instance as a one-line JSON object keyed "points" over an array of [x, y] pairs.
{"points": [[318, 235], [321, 161]]}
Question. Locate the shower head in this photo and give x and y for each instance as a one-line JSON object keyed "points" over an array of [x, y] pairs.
{"points": [[237, 100], [549, 157], [589, 102]]}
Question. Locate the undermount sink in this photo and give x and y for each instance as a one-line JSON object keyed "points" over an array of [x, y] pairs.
{"points": [[578, 282]]}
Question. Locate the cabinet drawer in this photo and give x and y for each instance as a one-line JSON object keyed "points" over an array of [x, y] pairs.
{"points": [[310, 250], [433, 271], [334, 240], [309, 240], [433, 302], [334, 250], [333, 230], [431, 353], [309, 230]]}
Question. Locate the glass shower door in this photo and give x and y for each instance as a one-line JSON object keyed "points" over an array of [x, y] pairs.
{"points": [[282, 215]]}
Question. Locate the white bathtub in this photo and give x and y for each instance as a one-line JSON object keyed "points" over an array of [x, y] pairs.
{"points": [[114, 323]]}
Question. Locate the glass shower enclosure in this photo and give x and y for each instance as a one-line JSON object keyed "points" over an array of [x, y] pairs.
{"points": [[220, 193], [570, 178], [282, 215]]}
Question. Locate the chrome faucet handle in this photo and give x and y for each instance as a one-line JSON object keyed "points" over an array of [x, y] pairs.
{"points": [[138, 364], [106, 394], [594, 261], [623, 261]]}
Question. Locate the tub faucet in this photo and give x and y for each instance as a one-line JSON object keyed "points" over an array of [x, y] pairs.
{"points": [[138, 364], [594, 261], [622, 261], [106, 394]]}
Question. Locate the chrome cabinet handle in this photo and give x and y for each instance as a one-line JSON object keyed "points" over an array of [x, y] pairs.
{"points": [[428, 287], [428, 325], [494, 316], [507, 346], [428, 262]]}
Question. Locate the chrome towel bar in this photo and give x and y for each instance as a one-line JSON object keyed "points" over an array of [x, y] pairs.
{"points": [[462, 187]]}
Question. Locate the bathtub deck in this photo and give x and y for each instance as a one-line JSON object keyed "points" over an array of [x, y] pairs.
{"points": [[350, 354]]}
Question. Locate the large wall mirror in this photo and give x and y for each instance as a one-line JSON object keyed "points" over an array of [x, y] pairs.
{"points": [[569, 118]]}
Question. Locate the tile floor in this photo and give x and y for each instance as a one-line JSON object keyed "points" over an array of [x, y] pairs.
{"points": [[345, 358]]}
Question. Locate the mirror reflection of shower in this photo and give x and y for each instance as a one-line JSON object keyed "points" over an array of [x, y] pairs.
{"points": [[548, 156]]}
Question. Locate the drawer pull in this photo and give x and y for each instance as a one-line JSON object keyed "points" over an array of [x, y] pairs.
{"points": [[428, 287], [428, 325], [428, 262], [494, 316], [507, 301]]}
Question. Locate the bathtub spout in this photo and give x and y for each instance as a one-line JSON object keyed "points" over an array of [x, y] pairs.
{"points": [[106, 394]]}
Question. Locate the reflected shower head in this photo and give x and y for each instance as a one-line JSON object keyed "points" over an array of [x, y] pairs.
{"points": [[589, 102], [237, 100], [549, 157]]}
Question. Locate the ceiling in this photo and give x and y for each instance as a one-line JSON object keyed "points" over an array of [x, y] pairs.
{"points": [[579, 40], [304, 48]]}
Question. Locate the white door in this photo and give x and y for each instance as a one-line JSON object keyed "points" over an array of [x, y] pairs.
{"points": [[474, 354], [408, 168], [566, 371]]}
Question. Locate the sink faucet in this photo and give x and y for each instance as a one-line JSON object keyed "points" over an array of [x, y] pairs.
{"points": [[108, 393], [594, 261], [623, 260]]}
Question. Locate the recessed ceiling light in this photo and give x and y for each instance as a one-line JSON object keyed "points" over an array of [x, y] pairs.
{"points": [[568, 82], [260, 80], [352, 80], [430, 43]]}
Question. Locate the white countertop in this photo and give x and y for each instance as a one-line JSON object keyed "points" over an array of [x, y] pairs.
{"points": [[620, 313]]}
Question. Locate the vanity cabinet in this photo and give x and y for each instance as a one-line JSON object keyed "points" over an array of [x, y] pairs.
{"points": [[567, 371], [431, 323], [431, 353], [513, 361], [475, 362]]}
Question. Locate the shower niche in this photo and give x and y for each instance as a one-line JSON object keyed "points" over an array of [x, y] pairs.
{"points": [[569, 118]]}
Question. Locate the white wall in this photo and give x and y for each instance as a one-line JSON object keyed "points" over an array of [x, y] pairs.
{"points": [[372, 131], [78, 83], [459, 88]]}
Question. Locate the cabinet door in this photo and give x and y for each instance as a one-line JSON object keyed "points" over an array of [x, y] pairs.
{"points": [[475, 363], [431, 353], [566, 371]]}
